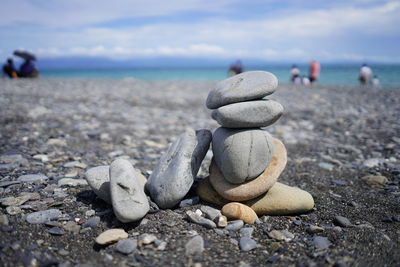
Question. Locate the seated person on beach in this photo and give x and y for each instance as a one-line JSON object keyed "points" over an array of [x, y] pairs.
{"points": [[294, 73], [235, 68], [9, 69], [28, 70], [365, 74]]}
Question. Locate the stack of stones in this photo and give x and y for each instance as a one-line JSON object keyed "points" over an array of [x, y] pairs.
{"points": [[247, 160]]}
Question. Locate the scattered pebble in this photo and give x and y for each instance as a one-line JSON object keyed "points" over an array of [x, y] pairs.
{"points": [[56, 231], [342, 221], [189, 202], [32, 178], [247, 244], [281, 235], [321, 242], [43, 216], [196, 218], [234, 225], [126, 246], [375, 180], [210, 212], [111, 236], [194, 246], [146, 239]]}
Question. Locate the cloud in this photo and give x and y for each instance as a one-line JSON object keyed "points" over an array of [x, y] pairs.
{"points": [[73, 28]]}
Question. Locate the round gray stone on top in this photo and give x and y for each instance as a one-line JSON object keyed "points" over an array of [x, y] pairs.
{"points": [[242, 155], [243, 87], [249, 114], [175, 171], [127, 193]]}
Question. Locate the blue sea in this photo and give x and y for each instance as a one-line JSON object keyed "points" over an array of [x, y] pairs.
{"points": [[333, 74]]}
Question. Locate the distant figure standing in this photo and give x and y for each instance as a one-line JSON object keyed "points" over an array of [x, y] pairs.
{"points": [[294, 73], [235, 68], [315, 68], [365, 74], [28, 70], [9, 69]]}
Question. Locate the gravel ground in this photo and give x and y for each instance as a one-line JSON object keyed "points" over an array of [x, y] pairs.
{"points": [[335, 136]]}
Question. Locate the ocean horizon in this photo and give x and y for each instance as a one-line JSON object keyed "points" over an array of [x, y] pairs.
{"points": [[331, 74]]}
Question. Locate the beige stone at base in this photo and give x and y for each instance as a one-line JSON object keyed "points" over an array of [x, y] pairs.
{"points": [[239, 211], [253, 188], [281, 199]]}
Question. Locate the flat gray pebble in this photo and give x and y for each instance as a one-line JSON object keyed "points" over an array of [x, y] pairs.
{"points": [[247, 244], [91, 222], [321, 242], [126, 246], [195, 246], [32, 178], [43, 216], [56, 231], [342, 221], [234, 225]]}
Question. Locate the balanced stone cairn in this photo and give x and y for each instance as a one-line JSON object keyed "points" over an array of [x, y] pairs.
{"points": [[247, 160], [246, 164]]}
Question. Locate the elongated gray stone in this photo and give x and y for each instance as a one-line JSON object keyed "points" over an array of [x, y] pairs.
{"points": [[250, 114], [98, 179], [175, 172], [43, 216], [127, 195], [243, 87], [32, 178], [242, 155]]}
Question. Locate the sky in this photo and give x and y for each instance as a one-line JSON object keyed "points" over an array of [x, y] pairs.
{"points": [[270, 30]]}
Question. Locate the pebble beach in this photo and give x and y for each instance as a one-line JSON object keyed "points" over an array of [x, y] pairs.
{"points": [[343, 147]]}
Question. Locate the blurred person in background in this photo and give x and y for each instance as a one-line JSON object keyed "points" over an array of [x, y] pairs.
{"points": [[28, 70], [294, 73], [375, 81], [365, 75], [235, 68], [9, 69], [315, 68]]}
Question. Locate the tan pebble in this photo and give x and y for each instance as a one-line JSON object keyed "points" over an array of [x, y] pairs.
{"points": [[375, 180], [254, 188], [238, 211], [222, 221], [111, 236]]}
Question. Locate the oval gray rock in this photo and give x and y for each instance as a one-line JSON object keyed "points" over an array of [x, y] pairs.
{"points": [[245, 86], [175, 171], [98, 179], [43, 216], [127, 195], [242, 155], [250, 114]]}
